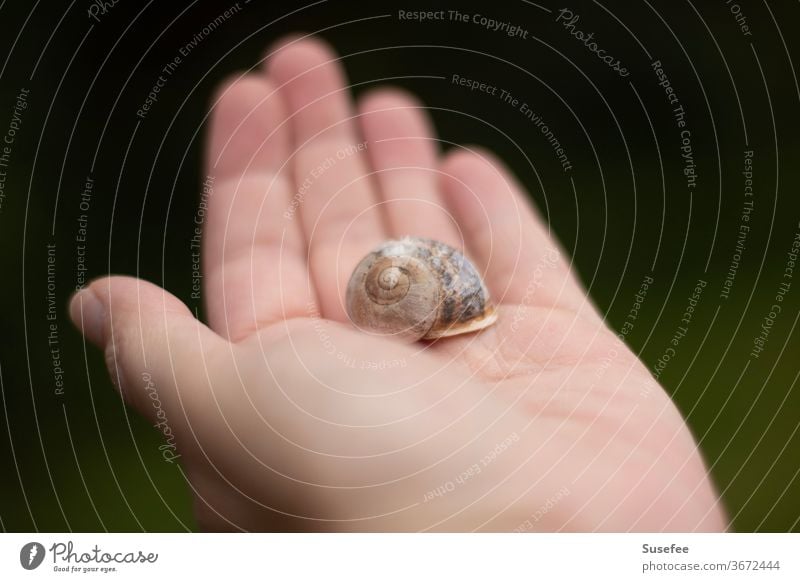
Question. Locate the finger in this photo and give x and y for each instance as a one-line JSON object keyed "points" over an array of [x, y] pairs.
{"points": [[403, 153], [153, 346], [522, 262], [254, 251], [247, 131], [341, 219]]}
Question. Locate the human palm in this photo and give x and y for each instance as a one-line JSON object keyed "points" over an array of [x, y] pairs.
{"points": [[288, 418]]}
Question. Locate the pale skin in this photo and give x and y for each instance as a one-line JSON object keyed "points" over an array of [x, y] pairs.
{"points": [[287, 418]]}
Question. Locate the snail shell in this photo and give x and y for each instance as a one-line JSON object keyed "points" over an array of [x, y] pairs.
{"points": [[418, 288]]}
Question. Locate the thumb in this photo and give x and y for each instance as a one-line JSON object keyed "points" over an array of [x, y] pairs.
{"points": [[153, 344]]}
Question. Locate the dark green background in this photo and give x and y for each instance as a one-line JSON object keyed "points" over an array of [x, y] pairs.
{"points": [[81, 461]]}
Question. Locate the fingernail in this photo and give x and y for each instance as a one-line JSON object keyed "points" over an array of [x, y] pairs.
{"points": [[88, 314]]}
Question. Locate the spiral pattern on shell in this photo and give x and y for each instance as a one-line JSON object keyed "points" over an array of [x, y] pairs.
{"points": [[417, 288]]}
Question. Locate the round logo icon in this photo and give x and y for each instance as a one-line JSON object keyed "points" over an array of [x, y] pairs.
{"points": [[31, 555]]}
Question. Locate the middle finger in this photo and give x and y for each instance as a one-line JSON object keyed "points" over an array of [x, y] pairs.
{"points": [[340, 213]]}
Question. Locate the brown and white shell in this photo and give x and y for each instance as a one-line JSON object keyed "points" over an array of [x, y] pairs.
{"points": [[417, 288]]}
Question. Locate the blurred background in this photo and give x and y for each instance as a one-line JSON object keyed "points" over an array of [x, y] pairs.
{"points": [[629, 206]]}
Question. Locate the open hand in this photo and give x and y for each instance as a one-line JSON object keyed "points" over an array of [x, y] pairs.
{"points": [[287, 418]]}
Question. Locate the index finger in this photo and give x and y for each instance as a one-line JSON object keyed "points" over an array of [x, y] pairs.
{"points": [[253, 249]]}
